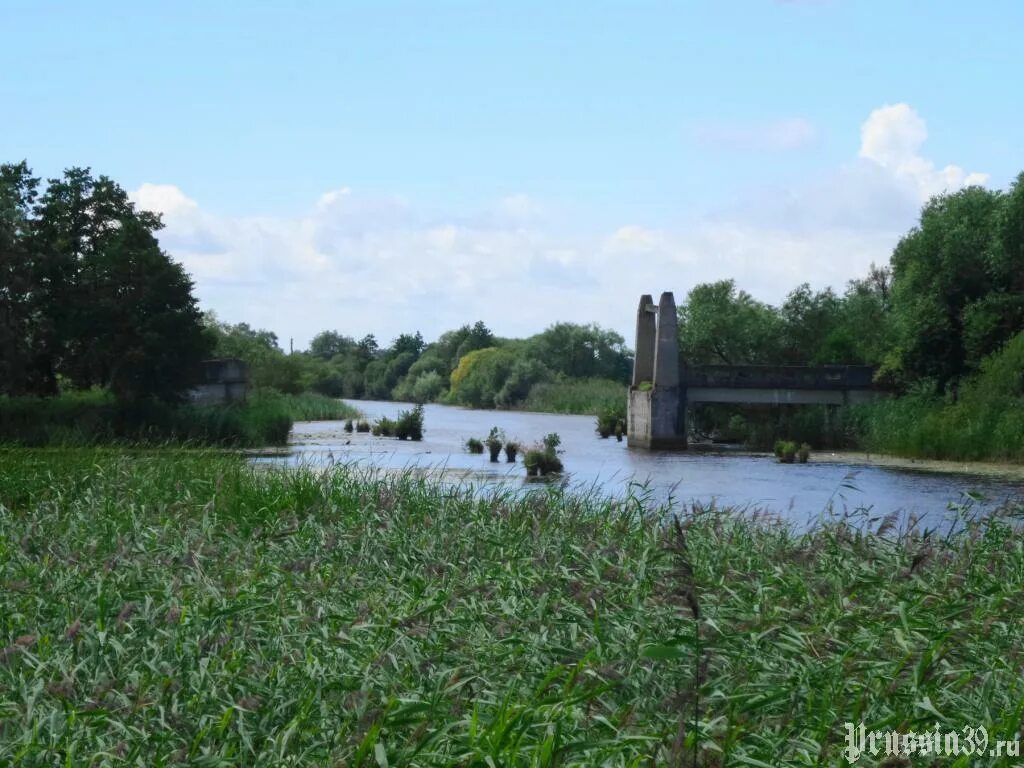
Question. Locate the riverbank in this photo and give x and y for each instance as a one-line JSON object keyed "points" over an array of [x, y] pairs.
{"points": [[991, 469], [169, 607]]}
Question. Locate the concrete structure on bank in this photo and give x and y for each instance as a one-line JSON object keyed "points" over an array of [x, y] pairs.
{"points": [[663, 386], [225, 380]]}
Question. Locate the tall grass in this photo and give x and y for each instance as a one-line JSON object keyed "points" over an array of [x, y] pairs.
{"points": [[986, 422], [173, 608], [95, 417], [578, 396]]}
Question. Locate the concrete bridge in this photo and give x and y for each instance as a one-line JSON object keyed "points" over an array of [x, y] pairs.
{"points": [[663, 385]]}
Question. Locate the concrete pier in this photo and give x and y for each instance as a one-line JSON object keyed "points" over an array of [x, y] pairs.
{"points": [[654, 409]]}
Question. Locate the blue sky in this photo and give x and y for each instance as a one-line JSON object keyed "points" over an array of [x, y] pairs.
{"points": [[391, 166]]}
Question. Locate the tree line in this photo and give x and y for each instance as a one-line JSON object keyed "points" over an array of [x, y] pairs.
{"points": [[468, 366]]}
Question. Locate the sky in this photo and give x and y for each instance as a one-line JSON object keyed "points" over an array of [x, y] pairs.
{"points": [[385, 167]]}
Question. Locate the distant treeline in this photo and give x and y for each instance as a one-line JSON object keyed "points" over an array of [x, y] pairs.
{"points": [[568, 367]]}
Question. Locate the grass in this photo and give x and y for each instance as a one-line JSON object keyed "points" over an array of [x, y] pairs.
{"points": [[310, 406], [922, 427], [578, 396], [176, 608], [95, 418]]}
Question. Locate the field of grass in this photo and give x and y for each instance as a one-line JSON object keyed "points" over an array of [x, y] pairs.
{"points": [[173, 608], [96, 418], [579, 396]]}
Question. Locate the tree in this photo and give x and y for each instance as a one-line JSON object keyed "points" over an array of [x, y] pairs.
{"points": [[95, 301], [719, 324], [582, 351], [328, 344], [810, 323], [942, 269], [18, 321]]}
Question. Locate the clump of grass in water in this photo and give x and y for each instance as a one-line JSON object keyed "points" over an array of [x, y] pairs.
{"points": [[495, 439], [212, 611]]}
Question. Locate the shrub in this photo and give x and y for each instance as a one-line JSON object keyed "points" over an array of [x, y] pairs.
{"points": [[611, 418], [543, 459], [362, 426], [348, 425], [804, 453], [384, 427], [511, 449], [474, 446], [785, 451], [494, 441], [532, 460], [410, 424]]}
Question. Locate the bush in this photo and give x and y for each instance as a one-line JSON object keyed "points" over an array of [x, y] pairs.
{"points": [[542, 460], [494, 441], [384, 427], [511, 449], [611, 418], [348, 426], [785, 451], [804, 453], [362, 426], [474, 446], [410, 424]]}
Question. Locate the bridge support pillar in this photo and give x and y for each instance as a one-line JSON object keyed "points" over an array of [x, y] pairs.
{"points": [[656, 416]]}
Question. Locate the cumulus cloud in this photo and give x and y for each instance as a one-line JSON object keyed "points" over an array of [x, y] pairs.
{"points": [[775, 135], [165, 199], [361, 263], [892, 137]]}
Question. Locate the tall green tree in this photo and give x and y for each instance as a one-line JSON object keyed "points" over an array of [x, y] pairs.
{"points": [[942, 278], [18, 319], [720, 324], [105, 306]]}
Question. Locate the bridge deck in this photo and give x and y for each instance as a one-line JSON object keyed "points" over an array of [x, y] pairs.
{"points": [[796, 377]]}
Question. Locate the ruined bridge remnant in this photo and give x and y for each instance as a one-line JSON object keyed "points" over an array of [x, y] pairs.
{"points": [[664, 385], [654, 416]]}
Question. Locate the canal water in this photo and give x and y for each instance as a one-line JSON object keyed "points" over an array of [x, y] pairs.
{"points": [[800, 493]]}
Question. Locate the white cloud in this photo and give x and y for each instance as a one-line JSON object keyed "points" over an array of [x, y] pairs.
{"points": [[165, 199], [363, 264], [775, 135], [892, 137]]}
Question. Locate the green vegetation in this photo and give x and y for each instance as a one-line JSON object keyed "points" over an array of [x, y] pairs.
{"points": [[567, 368], [943, 323], [586, 396], [611, 418], [787, 451], [511, 451], [986, 421], [408, 425], [474, 445], [495, 439], [87, 298], [180, 608], [96, 416], [542, 460]]}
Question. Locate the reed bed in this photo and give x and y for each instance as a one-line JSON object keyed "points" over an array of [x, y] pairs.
{"points": [[168, 608]]}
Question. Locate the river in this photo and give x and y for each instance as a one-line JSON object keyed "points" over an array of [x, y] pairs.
{"points": [[797, 492]]}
